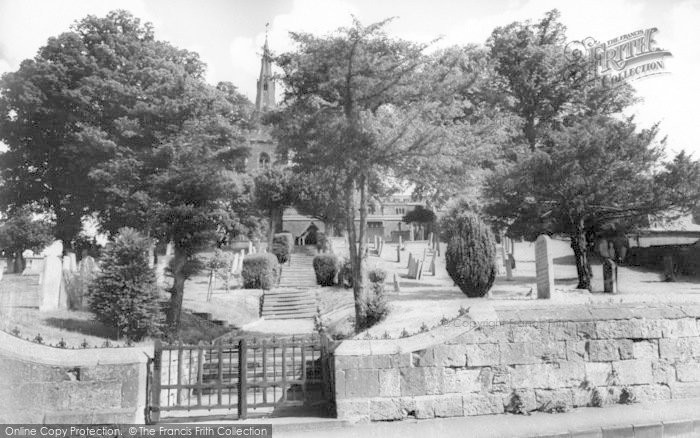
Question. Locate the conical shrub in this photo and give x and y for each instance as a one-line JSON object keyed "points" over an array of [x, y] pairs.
{"points": [[471, 253]]}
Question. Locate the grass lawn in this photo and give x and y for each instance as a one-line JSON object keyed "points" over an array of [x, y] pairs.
{"points": [[427, 301]]}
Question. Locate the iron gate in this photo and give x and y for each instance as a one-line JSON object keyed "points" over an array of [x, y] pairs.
{"points": [[239, 378]]}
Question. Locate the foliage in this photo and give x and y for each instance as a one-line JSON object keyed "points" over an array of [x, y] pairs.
{"points": [[345, 277], [260, 271], [361, 104], [471, 254], [104, 90], [321, 195], [376, 307], [602, 171], [21, 231], [377, 275], [282, 245], [419, 214], [124, 295], [275, 190], [326, 268]]}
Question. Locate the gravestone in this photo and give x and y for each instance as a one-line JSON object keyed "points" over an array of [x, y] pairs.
{"points": [[151, 255], [609, 276], [53, 295], [397, 288], [398, 253], [432, 264], [72, 263], [544, 267], [411, 234], [430, 238], [88, 265], [170, 248], [509, 270], [250, 247], [669, 271], [34, 265], [410, 260]]}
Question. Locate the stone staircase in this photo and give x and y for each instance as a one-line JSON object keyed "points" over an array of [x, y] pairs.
{"points": [[299, 272], [289, 303], [295, 297]]}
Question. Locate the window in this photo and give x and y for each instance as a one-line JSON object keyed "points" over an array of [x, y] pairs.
{"points": [[264, 160], [371, 209], [374, 225], [400, 210]]}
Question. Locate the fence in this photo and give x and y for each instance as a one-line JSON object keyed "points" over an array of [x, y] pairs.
{"points": [[240, 377]]}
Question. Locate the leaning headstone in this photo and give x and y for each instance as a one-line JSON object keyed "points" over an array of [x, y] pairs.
{"points": [[669, 271], [609, 276], [419, 269], [34, 265], [52, 285], [397, 288], [544, 267]]}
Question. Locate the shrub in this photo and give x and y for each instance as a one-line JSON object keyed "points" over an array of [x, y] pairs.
{"points": [[322, 243], [471, 253], [376, 307], [260, 271], [377, 275], [326, 268], [124, 295], [345, 273], [282, 246]]}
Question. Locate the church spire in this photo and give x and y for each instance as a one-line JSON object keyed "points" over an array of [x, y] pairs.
{"points": [[265, 96]]}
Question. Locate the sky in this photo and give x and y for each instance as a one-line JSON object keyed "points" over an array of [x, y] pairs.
{"points": [[229, 34]]}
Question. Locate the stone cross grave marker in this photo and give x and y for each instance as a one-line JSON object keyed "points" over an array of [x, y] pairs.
{"points": [[609, 276], [544, 267]]}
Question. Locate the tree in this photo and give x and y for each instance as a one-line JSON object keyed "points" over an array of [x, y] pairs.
{"points": [[23, 230], [124, 295], [597, 172], [105, 89], [275, 190], [543, 84], [355, 103], [322, 196]]}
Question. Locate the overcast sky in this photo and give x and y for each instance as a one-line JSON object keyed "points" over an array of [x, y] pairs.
{"points": [[228, 34]]}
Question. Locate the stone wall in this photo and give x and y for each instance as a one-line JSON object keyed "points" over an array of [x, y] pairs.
{"points": [[551, 359], [41, 384]]}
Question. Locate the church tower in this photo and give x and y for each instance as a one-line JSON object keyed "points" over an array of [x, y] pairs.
{"points": [[265, 96]]}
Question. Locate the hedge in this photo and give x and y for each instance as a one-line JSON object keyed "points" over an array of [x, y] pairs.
{"points": [[282, 246], [260, 271], [326, 268]]}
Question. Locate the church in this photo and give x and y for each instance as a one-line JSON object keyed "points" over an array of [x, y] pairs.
{"points": [[384, 219]]}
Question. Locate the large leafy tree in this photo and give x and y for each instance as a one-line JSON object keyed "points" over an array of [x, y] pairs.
{"points": [[105, 89], [23, 230], [543, 83], [363, 104], [275, 190], [321, 195], [597, 172]]}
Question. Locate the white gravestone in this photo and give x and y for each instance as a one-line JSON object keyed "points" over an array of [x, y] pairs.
{"points": [[53, 294], [544, 267]]}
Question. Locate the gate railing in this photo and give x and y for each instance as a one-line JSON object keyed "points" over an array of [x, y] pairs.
{"points": [[241, 376]]}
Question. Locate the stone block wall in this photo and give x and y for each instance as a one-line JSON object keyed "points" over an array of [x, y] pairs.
{"points": [[41, 384], [540, 359]]}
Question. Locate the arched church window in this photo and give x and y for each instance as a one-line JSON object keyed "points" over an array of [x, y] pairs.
{"points": [[264, 160]]}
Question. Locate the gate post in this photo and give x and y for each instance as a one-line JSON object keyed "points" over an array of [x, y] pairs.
{"points": [[155, 387], [242, 380]]}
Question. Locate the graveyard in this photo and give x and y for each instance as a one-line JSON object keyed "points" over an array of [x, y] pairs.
{"points": [[386, 231]]}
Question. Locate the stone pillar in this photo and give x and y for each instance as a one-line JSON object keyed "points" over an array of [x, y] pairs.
{"points": [[397, 288], [609, 276], [544, 267], [51, 285]]}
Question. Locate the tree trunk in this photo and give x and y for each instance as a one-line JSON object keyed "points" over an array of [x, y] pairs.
{"points": [[578, 244], [359, 269], [68, 226], [355, 255], [177, 291]]}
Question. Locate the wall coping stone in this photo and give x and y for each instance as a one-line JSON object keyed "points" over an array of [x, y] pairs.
{"points": [[478, 313], [20, 349]]}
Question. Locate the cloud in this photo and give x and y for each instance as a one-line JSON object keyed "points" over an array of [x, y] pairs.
{"points": [[26, 25]]}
